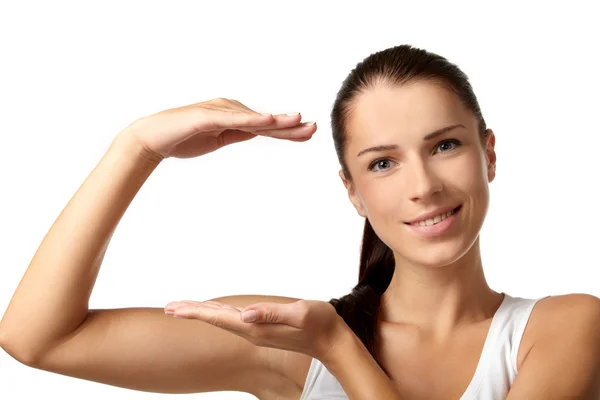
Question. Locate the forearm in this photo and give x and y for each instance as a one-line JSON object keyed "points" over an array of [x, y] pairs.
{"points": [[357, 372], [52, 298]]}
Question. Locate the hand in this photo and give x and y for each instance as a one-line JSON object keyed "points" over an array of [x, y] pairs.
{"points": [[201, 128], [306, 326]]}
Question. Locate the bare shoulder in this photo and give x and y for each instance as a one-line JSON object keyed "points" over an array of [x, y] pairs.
{"points": [[556, 317], [555, 313], [564, 360], [285, 371]]}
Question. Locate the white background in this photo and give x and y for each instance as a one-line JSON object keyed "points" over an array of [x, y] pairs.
{"points": [[270, 216]]}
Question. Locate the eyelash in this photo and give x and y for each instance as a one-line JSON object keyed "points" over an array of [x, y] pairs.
{"points": [[456, 142]]}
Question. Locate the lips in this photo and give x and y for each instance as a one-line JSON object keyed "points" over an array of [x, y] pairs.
{"points": [[436, 226], [433, 214]]}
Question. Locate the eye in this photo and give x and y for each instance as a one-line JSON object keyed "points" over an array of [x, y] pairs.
{"points": [[448, 145], [378, 162]]}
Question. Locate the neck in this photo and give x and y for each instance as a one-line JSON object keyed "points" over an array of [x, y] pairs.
{"points": [[437, 300]]}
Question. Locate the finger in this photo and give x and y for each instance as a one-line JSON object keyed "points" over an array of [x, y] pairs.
{"points": [[298, 133], [221, 317], [217, 119], [232, 104], [303, 131], [258, 334], [209, 303], [214, 303], [273, 313], [281, 120], [174, 305]]}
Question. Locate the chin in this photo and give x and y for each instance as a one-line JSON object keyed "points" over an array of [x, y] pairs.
{"points": [[436, 255], [434, 260]]}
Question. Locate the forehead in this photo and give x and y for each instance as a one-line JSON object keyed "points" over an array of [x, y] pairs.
{"points": [[387, 113]]}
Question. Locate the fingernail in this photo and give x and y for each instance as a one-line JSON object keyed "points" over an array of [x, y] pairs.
{"points": [[266, 114], [293, 114], [309, 123], [249, 316]]}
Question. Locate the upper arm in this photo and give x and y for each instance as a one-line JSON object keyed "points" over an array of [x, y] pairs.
{"points": [[564, 361], [144, 349]]}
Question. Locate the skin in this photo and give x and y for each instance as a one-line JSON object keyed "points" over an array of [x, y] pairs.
{"points": [[119, 346], [444, 273], [142, 348], [437, 310]]}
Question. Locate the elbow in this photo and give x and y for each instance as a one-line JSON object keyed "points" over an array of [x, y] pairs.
{"points": [[23, 353]]}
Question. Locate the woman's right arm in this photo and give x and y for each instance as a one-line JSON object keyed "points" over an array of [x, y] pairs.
{"points": [[47, 324]]}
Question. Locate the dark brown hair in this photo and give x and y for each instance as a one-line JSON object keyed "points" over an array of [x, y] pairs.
{"points": [[397, 66]]}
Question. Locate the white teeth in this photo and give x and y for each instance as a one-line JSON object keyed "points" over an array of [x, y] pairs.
{"points": [[435, 220]]}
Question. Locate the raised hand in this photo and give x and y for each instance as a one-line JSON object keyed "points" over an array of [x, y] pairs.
{"points": [[197, 129]]}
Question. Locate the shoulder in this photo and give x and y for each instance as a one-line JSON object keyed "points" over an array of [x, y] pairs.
{"points": [[558, 317], [566, 313], [573, 314], [564, 356]]}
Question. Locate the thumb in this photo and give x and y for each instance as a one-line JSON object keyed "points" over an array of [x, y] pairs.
{"points": [[271, 313]]}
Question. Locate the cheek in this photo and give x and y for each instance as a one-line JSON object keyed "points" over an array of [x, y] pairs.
{"points": [[468, 177], [466, 174], [382, 198]]}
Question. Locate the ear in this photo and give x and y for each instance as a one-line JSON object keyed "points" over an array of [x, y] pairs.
{"points": [[354, 198], [490, 154]]}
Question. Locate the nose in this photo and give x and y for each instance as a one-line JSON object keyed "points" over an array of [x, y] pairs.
{"points": [[423, 182]]}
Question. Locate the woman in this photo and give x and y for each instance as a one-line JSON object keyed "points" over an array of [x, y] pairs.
{"points": [[416, 160]]}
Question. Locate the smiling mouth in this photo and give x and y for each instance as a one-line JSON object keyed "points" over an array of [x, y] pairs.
{"points": [[435, 220]]}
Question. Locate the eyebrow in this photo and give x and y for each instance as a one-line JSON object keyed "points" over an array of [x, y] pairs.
{"points": [[429, 136]]}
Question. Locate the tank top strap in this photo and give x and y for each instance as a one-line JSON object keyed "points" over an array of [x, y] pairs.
{"points": [[497, 367]]}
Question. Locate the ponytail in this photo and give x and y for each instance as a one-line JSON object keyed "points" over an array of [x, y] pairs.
{"points": [[360, 308]]}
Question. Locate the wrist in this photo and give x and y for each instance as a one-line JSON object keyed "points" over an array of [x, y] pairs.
{"points": [[129, 138]]}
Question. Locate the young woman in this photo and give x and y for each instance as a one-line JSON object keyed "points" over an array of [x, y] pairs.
{"points": [[416, 159]]}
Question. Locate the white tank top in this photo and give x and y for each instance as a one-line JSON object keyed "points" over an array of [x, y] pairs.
{"points": [[495, 372]]}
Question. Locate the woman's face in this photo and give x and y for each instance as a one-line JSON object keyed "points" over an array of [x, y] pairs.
{"points": [[419, 174]]}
